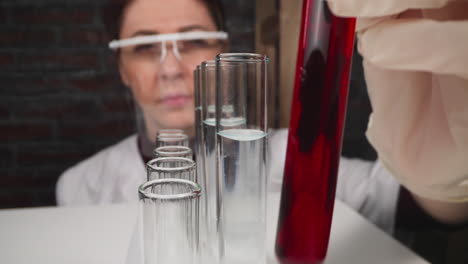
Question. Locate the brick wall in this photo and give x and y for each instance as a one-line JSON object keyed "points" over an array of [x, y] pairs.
{"points": [[60, 96]]}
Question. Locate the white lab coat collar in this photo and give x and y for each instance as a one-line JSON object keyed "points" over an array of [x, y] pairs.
{"points": [[110, 176]]}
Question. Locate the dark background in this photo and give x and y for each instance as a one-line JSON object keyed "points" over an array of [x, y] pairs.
{"points": [[61, 99]]}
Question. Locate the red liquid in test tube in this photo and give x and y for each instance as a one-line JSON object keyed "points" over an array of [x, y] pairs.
{"points": [[315, 134]]}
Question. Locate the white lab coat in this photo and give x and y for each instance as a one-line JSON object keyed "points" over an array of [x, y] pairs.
{"points": [[114, 174]]}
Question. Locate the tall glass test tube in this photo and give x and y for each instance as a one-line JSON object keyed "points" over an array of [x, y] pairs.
{"points": [[199, 157], [207, 96], [315, 134], [241, 127]]}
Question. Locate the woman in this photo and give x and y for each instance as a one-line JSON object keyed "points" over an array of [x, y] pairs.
{"points": [[167, 41]]}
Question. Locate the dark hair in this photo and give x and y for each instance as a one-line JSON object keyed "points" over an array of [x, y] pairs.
{"points": [[112, 13]]}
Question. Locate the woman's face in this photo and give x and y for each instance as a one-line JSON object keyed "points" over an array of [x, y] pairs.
{"points": [[164, 89]]}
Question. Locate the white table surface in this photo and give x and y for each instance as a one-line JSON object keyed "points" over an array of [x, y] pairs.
{"points": [[103, 234]]}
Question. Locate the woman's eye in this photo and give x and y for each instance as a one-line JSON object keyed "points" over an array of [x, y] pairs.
{"points": [[196, 43], [144, 48]]}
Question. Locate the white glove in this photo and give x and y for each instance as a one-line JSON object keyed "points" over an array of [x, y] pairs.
{"points": [[416, 67]]}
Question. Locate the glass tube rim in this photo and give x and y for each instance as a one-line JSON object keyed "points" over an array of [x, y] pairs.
{"points": [[241, 57], [184, 150], [197, 88], [172, 137], [194, 193], [209, 63], [150, 164], [171, 132]]}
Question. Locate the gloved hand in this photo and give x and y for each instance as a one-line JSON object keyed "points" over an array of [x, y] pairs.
{"points": [[416, 68]]}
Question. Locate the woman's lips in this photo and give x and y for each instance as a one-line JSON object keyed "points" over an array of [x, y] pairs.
{"points": [[176, 100]]}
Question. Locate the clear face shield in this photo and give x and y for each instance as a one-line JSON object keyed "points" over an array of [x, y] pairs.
{"points": [[155, 47]]}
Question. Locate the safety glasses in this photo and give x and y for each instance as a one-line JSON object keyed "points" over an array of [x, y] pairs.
{"points": [[153, 47]]}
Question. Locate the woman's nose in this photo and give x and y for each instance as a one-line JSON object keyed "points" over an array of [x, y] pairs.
{"points": [[170, 66]]}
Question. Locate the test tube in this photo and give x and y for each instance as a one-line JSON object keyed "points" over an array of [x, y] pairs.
{"points": [[170, 221], [199, 141], [208, 122], [241, 128], [318, 112], [208, 86], [171, 167], [173, 151], [170, 131], [171, 139]]}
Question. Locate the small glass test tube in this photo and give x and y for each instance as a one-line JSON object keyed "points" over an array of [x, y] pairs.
{"points": [[210, 201], [172, 139], [173, 151], [171, 167], [171, 131], [170, 221]]}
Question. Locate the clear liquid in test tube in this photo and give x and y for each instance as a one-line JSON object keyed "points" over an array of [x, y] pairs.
{"points": [[241, 130]]}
